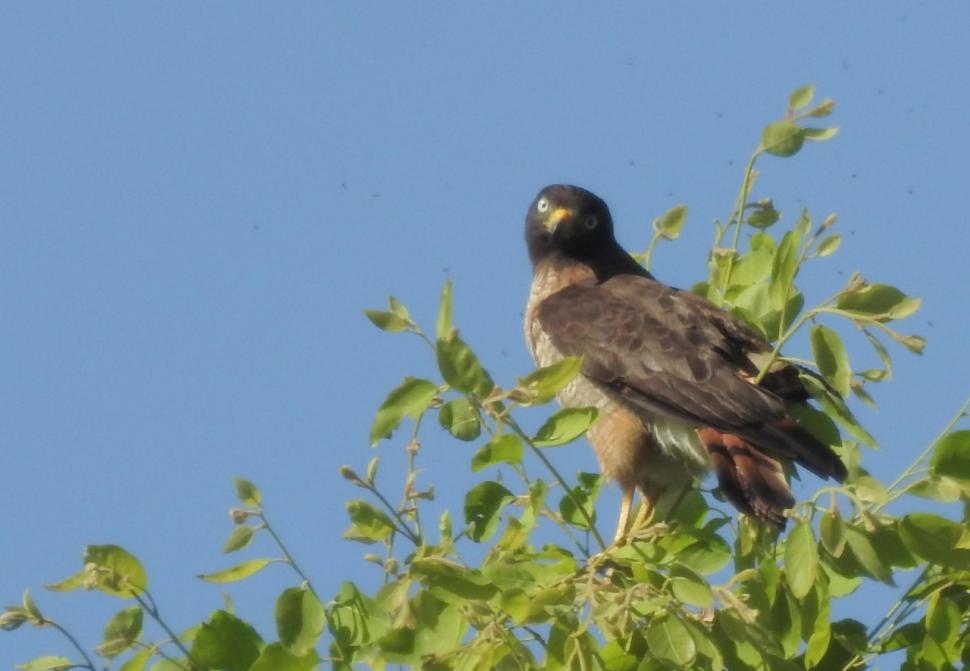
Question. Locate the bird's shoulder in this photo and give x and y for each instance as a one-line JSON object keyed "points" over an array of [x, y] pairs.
{"points": [[630, 305]]}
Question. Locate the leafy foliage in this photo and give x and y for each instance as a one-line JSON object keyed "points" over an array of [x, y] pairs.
{"points": [[697, 588]]}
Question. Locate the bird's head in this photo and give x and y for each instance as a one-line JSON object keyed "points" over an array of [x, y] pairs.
{"points": [[569, 220]]}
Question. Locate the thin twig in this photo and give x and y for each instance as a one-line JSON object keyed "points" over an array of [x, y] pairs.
{"points": [[918, 462], [737, 216], [404, 529], [562, 482], [286, 553], [152, 610], [73, 641]]}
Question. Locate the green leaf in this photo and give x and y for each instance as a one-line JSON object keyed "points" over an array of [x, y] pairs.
{"points": [[819, 134], [829, 245], [942, 647], [483, 505], [138, 661], [398, 308], [786, 622], [758, 308], [801, 559], [398, 646], [440, 626], [832, 532], [585, 492], [565, 426], [239, 538], [274, 657], [881, 302], [906, 636], [885, 538], [935, 539], [831, 357], [835, 407], [13, 617], [867, 556], [460, 367], [843, 579], [823, 109], [175, 664], [689, 587], [460, 419], [443, 327], [30, 607], [541, 385], [817, 630], [752, 267], [942, 489], [387, 321], [121, 632], [505, 449], [700, 550], [951, 457], [870, 490], [616, 656], [804, 224], [247, 493], [670, 640], [874, 374], [46, 663], [914, 343], [672, 221], [237, 572], [368, 524], [119, 573], [69, 584], [357, 619], [763, 215], [451, 582], [801, 96], [409, 399], [783, 268], [706, 646], [782, 138], [226, 642], [300, 620]]}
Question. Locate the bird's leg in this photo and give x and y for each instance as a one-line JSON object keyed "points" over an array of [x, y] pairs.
{"points": [[625, 505], [648, 504]]}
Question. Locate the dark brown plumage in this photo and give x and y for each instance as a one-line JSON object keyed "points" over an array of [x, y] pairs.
{"points": [[671, 373]]}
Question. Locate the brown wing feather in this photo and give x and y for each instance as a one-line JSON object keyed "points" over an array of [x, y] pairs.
{"points": [[647, 341], [675, 353]]}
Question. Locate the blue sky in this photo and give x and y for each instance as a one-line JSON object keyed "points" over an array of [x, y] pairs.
{"points": [[198, 200]]}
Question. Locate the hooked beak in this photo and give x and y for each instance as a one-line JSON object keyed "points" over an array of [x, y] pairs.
{"points": [[556, 217]]}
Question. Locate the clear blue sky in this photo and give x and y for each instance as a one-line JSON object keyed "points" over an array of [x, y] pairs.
{"points": [[198, 200]]}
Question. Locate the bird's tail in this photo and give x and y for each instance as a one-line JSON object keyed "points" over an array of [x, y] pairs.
{"points": [[751, 480], [748, 470]]}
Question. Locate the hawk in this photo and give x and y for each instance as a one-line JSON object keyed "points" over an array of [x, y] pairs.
{"points": [[671, 374]]}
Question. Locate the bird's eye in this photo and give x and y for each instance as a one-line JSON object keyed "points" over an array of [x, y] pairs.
{"points": [[590, 222], [542, 205]]}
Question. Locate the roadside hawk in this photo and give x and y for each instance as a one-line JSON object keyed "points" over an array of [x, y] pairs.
{"points": [[671, 374]]}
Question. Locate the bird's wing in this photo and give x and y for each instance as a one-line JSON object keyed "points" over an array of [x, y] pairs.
{"points": [[663, 350]]}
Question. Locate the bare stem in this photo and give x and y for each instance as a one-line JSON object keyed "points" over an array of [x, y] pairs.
{"points": [[738, 215], [70, 637], [926, 453], [149, 607], [562, 481], [286, 553], [402, 526], [647, 255]]}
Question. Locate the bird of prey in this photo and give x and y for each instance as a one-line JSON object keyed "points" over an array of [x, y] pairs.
{"points": [[673, 376]]}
